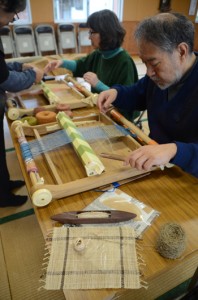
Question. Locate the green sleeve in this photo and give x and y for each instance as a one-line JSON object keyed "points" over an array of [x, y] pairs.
{"points": [[69, 64], [100, 86]]}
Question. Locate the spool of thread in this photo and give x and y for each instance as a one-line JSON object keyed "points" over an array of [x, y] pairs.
{"points": [[38, 109], [30, 120], [171, 241], [46, 116]]}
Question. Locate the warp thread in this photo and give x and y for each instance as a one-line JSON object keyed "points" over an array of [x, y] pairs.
{"points": [[171, 241], [60, 138], [27, 155]]}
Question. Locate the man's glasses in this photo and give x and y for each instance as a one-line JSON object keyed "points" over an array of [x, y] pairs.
{"points": [[16, 17]]}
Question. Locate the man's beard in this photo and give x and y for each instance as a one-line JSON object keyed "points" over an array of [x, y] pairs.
{"points": [[165, 86]]}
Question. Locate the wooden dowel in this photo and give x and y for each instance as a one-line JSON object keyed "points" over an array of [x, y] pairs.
{"points": [[120, 118], [80, 87], [112, 156]]}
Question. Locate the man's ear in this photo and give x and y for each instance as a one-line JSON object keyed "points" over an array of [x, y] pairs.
{"points": [[183, 49]]}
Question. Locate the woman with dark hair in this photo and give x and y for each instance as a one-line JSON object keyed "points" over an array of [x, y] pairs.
{"points": [[109, 64], [13, 78]]}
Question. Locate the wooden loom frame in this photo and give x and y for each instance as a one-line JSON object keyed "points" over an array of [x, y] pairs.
{"points": [[43, 193], [79, 100], [42, 196]]}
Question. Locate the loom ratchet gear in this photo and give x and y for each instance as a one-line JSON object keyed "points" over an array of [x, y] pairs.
{"points": [[93, 217]]}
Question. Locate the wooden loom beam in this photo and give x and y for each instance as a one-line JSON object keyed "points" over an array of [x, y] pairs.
{"points": [[40, 192], [42, 196], [91, 97], [129, 125]]}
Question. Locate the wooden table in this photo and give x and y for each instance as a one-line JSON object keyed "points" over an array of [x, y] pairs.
{"points": [[174, 194]]}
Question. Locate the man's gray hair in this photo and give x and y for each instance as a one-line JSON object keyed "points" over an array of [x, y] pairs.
{"points": [[166, 31]]}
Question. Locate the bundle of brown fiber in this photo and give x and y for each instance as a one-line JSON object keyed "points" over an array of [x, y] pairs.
{"points": [[171, 241]]}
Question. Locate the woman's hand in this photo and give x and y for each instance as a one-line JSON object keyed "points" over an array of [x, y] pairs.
{"points": [[91, 78], [52, 65]]}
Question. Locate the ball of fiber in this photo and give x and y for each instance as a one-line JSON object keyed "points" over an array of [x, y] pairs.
{"points": [[38, 109], [46, 116], [171, 241], [30, 120]]}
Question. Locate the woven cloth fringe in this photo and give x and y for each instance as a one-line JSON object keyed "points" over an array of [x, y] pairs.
{"points": [[106, 258]]}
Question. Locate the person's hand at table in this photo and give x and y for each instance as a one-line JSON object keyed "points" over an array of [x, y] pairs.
{"points": [[146, 157], [39, 74], [52, 65], [91, 78], [105, 99]]}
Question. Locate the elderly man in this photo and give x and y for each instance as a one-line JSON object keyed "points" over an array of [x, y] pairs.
{"points": [[13, 78], [169, 92]]}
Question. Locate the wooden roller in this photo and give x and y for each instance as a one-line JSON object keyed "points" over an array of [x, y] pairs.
{"points": [[80, 87], [121, 119], [15, 113], [42, 196], [91, 97]]}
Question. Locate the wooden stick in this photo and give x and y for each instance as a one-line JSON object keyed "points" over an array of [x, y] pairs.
{"points": [[121, 182], [120, 118], [79, 86], [91, 98], [21, 102], [112, 156]]}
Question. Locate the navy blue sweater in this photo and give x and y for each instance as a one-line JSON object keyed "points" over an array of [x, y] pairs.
{"points": [[169, 121]]}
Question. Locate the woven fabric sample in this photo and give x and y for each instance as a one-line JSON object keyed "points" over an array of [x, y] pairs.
{"points": [[105, 258]]}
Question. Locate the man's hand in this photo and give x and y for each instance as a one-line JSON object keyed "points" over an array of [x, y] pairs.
{"points": [[146, 157], [105, 99]]}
